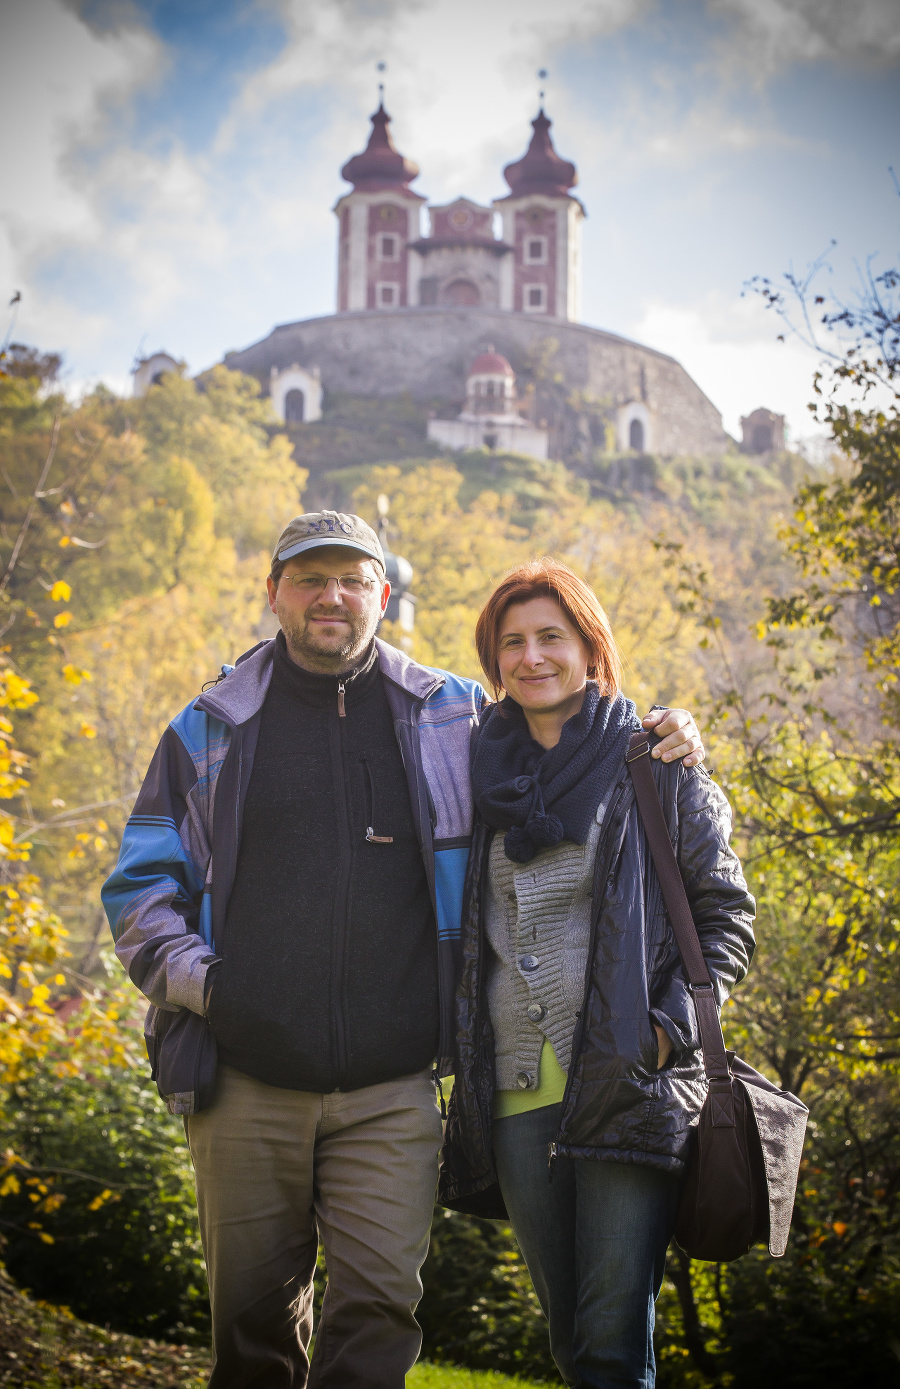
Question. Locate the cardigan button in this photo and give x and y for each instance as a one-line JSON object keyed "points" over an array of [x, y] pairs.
{"points": [[529, 962], [536, 1011], [523, 1080]]}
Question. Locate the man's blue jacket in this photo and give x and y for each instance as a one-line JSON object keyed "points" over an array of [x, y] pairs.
{"points": [[167, 897]]}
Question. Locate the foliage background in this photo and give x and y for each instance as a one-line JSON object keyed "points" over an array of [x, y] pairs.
{"points": [[133, 543]]}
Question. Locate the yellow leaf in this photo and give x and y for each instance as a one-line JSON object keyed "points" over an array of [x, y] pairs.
{"points": [[11, 1185], [74, 674], [60, 592], [48, 1239], [87, 730], [64, 541], [62, 619], [839, 1228]]}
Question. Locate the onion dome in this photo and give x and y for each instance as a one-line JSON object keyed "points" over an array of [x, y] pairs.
{"points": [[380, 165], [541, 170], [491, 363]]}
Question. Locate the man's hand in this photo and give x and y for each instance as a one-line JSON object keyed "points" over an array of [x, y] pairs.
{"points": [[680, 736], [665, 1045]]}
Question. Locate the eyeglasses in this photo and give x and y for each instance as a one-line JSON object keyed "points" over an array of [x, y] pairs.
{"points": [[351, 585]]}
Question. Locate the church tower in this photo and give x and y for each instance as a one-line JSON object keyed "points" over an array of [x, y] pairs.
{"points": [[378, 221], [542, 222]]}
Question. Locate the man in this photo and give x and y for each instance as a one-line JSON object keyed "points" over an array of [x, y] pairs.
{"points": [[288, 897]]}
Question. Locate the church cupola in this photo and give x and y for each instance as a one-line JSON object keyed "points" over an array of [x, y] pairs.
{"points": [[378, 221], [542, 222], [381, 165], [541, 170]]}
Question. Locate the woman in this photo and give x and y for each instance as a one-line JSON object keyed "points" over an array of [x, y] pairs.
{"points": [[578, 1074]]}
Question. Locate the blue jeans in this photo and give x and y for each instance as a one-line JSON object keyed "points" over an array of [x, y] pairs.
{"points": [[594, 1239]]}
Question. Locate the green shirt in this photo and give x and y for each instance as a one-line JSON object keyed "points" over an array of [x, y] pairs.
{"points": [[549, 1090]]}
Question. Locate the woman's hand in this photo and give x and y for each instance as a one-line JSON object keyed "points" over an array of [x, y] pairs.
{"points": [[665, 1045], [680, 735]]}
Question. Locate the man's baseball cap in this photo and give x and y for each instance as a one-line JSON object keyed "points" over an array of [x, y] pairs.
{"points": [[316, 529]]}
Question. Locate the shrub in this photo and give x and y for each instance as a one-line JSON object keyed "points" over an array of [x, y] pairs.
{"points": [[97, 1205], [479, 1308]]}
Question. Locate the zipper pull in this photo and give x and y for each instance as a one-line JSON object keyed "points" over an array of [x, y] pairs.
{"points": [[440, 1091], [373, 838], [342, 712], [551, 1161]]}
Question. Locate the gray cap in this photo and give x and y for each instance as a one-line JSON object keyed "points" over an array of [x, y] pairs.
{"points": [[316, 529]]}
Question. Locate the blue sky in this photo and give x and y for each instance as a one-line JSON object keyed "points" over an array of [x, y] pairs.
{"points": [[172, 180]]}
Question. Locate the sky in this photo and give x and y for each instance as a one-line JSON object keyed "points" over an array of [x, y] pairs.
{"points": [[169, 166]]}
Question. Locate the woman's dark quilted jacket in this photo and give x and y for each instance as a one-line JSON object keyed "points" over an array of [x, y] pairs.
{"points": [[617, 1106]]}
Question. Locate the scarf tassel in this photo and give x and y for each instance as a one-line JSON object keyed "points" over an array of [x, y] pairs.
{"points": [[522, 842]]}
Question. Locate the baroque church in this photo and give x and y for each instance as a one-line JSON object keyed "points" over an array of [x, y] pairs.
{"points": [[462, 306]]}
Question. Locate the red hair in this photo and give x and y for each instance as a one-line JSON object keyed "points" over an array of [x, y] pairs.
{"points": [[546, 578]]}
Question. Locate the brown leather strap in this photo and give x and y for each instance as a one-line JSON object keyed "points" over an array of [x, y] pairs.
{"points": [[715, 1061]]}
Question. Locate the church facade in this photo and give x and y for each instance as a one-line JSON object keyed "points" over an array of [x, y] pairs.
{"points": [[414, 310]]}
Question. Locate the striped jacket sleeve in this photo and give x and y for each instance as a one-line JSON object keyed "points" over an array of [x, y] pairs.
{"points": [[158, 910]]}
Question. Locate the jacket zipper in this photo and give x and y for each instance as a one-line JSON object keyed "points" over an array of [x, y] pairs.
{"points": [[602, 847], [342, 901], [423, 821], [479, 988], [371, 836]]}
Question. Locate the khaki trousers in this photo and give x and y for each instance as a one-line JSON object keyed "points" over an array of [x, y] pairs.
{"points": [[278, 1170]]}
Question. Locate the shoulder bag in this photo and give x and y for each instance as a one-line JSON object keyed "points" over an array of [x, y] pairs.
{"points": [[741, 1175]]}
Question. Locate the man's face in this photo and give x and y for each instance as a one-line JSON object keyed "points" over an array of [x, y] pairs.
{"points": [[328, 627]]}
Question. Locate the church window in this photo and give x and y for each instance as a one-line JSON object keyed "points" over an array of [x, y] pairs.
{"points": [[386, 295], [636, 436], [534, 298], [535, 250], [388, 248], [294, 407]]}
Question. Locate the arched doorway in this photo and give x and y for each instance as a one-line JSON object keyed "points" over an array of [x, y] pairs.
{"points": [[636, 436], [461, 292], [762, 438], [293, 407]]}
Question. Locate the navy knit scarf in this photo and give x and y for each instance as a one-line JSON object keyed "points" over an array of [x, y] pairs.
{"points": [[540, 796]]}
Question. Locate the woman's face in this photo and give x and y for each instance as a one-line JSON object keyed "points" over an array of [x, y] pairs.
{"points": [[542, 656]]}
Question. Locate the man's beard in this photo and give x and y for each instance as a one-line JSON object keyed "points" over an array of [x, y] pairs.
{"points": [[329, 653]]}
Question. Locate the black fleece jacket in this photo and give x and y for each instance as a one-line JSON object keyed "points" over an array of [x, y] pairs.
{"points": [[328, 978]]}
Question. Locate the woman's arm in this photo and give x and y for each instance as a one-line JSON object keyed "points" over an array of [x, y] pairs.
{"points": [[721, 905]]}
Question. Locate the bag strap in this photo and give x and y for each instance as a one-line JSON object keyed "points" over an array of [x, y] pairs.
{"points": [[715, 1060]]}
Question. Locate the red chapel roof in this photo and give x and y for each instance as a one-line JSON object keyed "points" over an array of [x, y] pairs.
{"points": [[541, 170], [380, 165], [491, 363]]}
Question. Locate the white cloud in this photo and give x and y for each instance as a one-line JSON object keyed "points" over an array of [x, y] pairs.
{"points": [[59, 80], [729, 347], [772, 34], [56, 77], [461, 78]]}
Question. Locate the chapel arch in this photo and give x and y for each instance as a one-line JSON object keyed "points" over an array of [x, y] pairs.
{"points": [[294, 406]]}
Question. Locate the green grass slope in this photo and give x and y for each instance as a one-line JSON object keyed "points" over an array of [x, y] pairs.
{"points": [[45, 1347]]}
